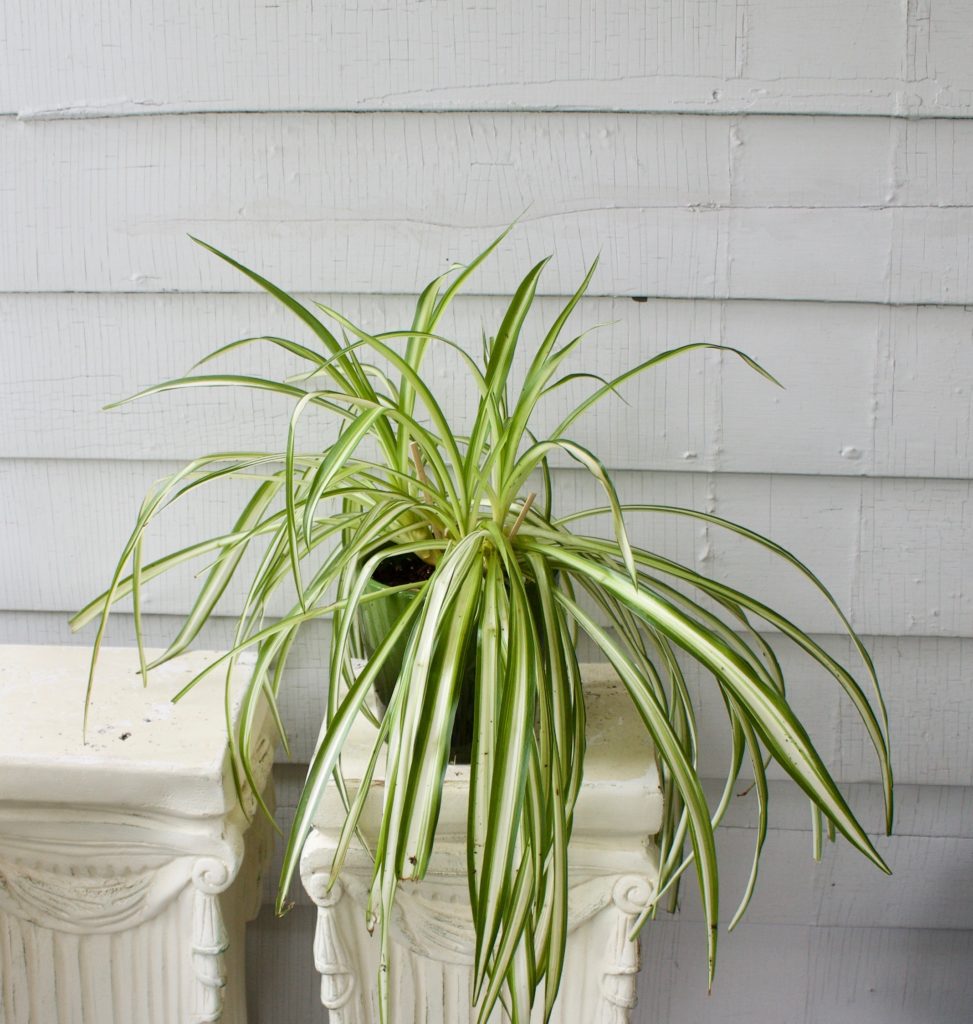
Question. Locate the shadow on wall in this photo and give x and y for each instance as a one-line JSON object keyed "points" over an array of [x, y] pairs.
{"points": [[282, 985]]}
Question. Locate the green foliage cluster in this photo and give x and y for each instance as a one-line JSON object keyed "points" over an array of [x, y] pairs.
{"points": [[514, 580]]}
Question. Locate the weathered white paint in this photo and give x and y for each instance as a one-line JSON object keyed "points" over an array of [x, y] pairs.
{"points": [[870, 389], [804, 974], [822, 56], [929, 887], [906, 540], [613, 871], [312, 218], [127, 866]]}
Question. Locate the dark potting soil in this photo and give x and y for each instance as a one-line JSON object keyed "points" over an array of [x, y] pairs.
{"points": [[399, 569]]}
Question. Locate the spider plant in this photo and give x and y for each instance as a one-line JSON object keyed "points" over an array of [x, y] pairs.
{"points": [[512, 579]]}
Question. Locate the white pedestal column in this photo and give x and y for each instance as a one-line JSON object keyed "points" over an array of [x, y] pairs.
{"points": [[127, 868], [613, 870]]}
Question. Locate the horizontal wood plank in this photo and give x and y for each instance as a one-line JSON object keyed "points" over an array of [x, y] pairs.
{"points": [[676, 204], [819, 57], [928, 887], [803, 974], [895, 553], [922, 810], [870, 390], [893, 976]]}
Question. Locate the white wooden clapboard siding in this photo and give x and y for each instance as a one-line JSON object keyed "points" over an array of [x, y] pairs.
{"points": [[896, 553], [817, 57], [870, 389], [352, 150], [345, 202], [805, 974], [929, 887]]}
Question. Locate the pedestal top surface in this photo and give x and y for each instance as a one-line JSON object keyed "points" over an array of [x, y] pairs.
{"points": [[621, 793], [140, 749]]}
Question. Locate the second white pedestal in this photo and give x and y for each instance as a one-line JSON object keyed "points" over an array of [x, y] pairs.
{"points": [[613, 871]]}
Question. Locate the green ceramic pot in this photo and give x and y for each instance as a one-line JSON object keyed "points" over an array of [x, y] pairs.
{"points": [[377, 618]]}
